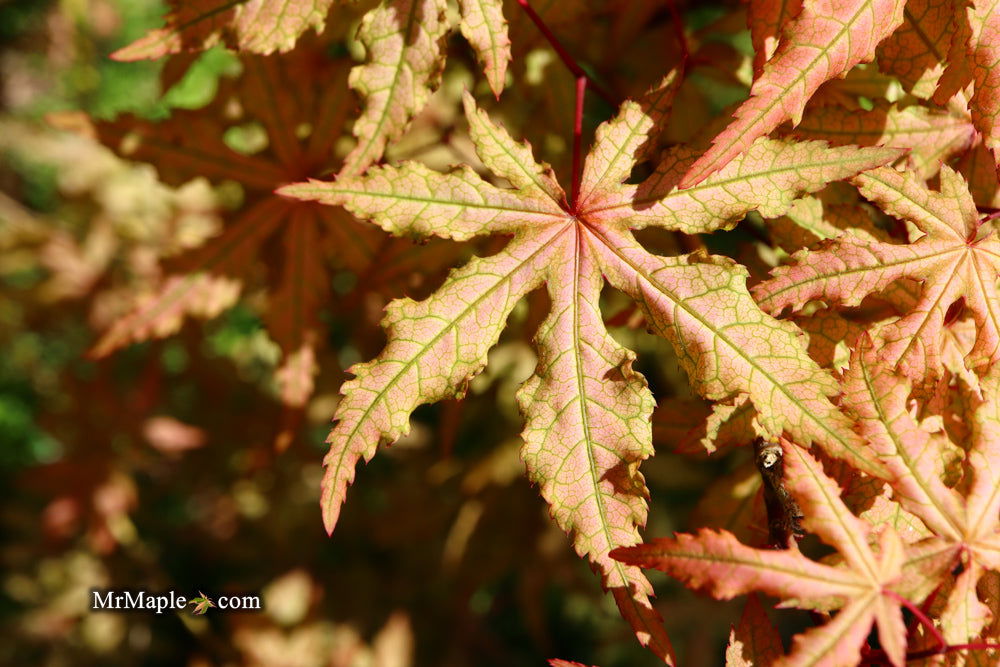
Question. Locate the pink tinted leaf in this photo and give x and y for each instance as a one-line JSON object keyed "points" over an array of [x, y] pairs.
{"points": [[586, 409], [511, 159], [717, 563], [485, 28], [925, 565], [825, 40], [767, 178], [264, 26], [964, 616], [636, 607], [983, 501], [416, 201], [161, 313], [915, 53], [587, 418], [949, 265], [825, 514], [619, 144], [984, 53], [834, 644], [404, 61], [932, 136], [435, 347], [754, 641], [728, 346], [767, 19], [973, 59], [912, 455]]}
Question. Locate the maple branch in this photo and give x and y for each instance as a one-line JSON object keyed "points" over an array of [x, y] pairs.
{"points": [[950, 648], [990, 216], [878, 656], [783, 513], [675, 18], [919, 614], [564, 55], [581, 92]]}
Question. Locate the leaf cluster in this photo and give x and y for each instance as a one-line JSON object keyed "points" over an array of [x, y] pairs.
{"points": [[809, 224]]}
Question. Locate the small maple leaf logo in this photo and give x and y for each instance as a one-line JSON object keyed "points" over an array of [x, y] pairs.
{"points": [[201, 603]]}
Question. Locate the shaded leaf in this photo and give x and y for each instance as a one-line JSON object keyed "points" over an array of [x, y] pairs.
{"points": [[956, 259], [257, 26]]}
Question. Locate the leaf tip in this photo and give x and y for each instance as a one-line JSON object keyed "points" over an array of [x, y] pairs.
{"points": [[305, 191], [123, 55]]}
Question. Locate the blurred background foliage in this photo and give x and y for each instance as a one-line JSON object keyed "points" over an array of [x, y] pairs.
{"points": [[172, 465]]}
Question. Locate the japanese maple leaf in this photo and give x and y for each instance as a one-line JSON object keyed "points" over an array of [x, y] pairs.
{"points": [[974, 58], [403, 40], [932, 135], [860, 588], [484, 27], [957, 258], [916, 52], [755, 641], [586, 409], [208, 279], [965, 527], [255, 26], [767, 20], [825, 40]]}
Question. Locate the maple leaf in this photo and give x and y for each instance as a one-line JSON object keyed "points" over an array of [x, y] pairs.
{"points": [[586, 409], [915, 53], [403, 39], [860, 589], [980, 171], [255, 26], [209, 279], [755, 641], [485, 28], [932, 135], [965, 527], [767, 20], [973, 58], [811, 219], [956, 258], [825, 40]]}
